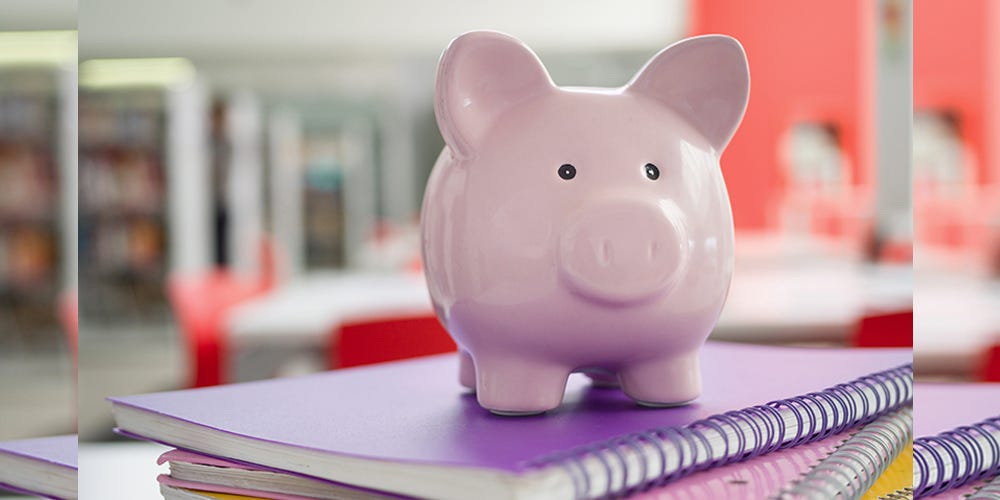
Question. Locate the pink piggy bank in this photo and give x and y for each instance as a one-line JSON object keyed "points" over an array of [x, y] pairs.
{"points": [[581, 229]]}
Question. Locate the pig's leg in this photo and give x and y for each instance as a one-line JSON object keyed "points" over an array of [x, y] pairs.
{"points": [[466, 370], [602, 378], [667, 381], [519, 386]]}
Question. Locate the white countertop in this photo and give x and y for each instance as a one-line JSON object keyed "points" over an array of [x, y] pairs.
{"points": [[808, 299], [308, 309], [955, 319], [794, 299]]}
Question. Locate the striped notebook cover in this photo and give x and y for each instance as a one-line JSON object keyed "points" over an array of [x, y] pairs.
{"points": [[410, 429]]}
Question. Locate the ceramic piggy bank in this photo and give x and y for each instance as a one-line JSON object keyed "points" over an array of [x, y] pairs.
{"points": [[581, 229]]}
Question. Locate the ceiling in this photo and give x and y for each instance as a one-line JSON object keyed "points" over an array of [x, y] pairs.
{"points": [[256, 30], [18, 15]]}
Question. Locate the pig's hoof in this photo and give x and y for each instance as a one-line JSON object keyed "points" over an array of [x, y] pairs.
{"points": [[467, 371], [509, 413], [656, 404], [518, 386]]}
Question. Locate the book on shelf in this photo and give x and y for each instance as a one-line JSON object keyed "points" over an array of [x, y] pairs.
{"points": [[409, 428], [958, 438], [44, 467]]}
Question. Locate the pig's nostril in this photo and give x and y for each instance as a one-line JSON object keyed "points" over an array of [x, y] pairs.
{"points": [[654, 248], [605, 253]]}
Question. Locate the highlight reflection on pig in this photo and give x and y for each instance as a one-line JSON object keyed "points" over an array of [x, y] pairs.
{"points": [[581, 229]]}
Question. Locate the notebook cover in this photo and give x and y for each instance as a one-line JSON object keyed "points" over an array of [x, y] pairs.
{"points": [[56, 450], [759, 477], [943, 407], [198, 458], [226, 490], [415, 410]]}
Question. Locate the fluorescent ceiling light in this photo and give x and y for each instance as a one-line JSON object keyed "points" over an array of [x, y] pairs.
{"points": [[37, 47], [155, 72]]}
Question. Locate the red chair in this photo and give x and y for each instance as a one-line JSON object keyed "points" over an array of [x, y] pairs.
{"points": [[200, 303], [68, 310], [375, 340], [989, 370], [894, 329]]}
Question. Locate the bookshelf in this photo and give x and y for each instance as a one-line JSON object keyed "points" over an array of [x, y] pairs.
{"points": [[144, 185], [37, 136]]}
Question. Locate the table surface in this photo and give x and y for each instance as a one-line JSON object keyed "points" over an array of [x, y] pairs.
{"points": [[809, 300], [803, 299], [119, 471], [956, 317], [306, 310]]}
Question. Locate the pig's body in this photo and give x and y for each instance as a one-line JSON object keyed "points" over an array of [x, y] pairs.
{"points": [[614, 269]]}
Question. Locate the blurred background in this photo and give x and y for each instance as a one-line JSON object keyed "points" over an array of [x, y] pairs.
{"points": [[251, 174], [38, 51], [956, 176]]}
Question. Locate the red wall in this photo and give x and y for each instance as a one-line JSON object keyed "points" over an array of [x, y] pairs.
{"points": [[950, 71], [808, 61]]}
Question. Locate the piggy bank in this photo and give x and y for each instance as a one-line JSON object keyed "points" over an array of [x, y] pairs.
{"points": [[571, 229]]}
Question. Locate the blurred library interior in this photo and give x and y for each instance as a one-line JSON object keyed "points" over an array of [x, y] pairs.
{"points": [[202, 192]]}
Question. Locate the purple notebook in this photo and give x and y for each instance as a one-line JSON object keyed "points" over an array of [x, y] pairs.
{"points": [[28, 466], [958, 436], [760, 477], [412, 417]]}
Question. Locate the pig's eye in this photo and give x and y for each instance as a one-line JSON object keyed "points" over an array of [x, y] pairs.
{"points": [[652, 172], [567, 171]]}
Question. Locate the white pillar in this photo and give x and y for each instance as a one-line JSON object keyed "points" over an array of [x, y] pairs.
{"points": [[894, 120], [244, 184], [285, 141], [68, 151], [188, 178]]}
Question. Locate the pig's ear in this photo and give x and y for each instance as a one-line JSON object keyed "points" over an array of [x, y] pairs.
{"points": [[482, 74], [705, 79]]}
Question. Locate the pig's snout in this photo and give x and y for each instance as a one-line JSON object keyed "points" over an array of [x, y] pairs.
{"points": [[623, 251]]}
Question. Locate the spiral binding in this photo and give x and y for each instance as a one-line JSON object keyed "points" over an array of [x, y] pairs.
{"points": [[639, 461], [903, 494], [991, 491], [854, 467], [956, 457], [757, 477]]}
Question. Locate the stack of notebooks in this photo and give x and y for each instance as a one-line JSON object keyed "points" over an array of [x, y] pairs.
{"points": [[43, 467], [771, 422], [957, 455]]}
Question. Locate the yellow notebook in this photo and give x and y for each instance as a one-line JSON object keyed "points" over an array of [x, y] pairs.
{"points": [[174, 493], [897, 481], [224, 496]]}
